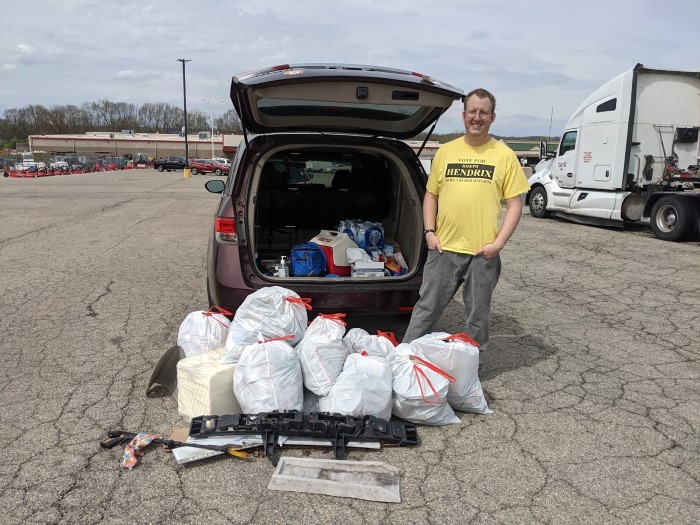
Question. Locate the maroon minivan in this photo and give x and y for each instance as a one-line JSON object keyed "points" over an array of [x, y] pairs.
{"points": [[322, 147]]}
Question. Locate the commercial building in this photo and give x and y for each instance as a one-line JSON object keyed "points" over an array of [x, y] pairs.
{"points": [[203, 144], [119, 144]]}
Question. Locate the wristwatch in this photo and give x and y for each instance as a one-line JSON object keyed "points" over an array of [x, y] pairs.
{"points": [[426, 232]]}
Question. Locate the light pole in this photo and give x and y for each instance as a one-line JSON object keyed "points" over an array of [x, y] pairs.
{"points": [[187, 173], [211, 117]]}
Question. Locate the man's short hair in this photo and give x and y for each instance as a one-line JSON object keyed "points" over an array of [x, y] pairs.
{"points": [[481, 93]]}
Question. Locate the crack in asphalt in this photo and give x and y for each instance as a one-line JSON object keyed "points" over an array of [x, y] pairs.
{"points": [[90, 306], [593, 377]]}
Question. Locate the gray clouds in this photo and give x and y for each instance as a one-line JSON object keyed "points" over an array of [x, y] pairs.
{"points": [[532, 55]]}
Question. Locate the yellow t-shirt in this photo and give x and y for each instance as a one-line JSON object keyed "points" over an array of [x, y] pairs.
{"points": [[470, 183]]}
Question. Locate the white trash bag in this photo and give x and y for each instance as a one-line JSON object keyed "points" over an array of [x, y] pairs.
{"points": [[420, 388], [363, 388], [380, 345], [458, 355], [353, 335], [331, 326], [268, 378], [322, 360], [203, 331], [271, 311]]}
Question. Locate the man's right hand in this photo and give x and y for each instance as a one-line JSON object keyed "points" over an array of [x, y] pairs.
{"points": [[433, 242]]}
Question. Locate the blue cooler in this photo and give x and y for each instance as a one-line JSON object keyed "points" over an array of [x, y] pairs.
{"points": [[308, 260]]}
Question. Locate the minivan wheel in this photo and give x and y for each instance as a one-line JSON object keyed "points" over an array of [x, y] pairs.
{"points": [[538, 203], [217, 171], [194, 171], [160, 168]]}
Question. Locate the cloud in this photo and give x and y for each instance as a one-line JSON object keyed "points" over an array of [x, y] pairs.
{"points": [[534, 56], [26, 50], [139, 76], [29, 54]]}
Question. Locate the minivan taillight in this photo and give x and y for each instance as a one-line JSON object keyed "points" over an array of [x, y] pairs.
{"points": [[226, 230]]}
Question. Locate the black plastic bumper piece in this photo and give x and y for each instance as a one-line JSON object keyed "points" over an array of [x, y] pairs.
{"points": [[335, 428]]}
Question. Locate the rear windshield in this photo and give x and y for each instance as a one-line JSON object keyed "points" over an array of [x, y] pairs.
{"points": [[292, 108], [338, 171]]}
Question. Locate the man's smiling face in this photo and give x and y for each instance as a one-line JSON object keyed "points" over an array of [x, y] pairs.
{"points": [[478, 117]]}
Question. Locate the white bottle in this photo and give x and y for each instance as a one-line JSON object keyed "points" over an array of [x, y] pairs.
{"points": [[284, 268]]}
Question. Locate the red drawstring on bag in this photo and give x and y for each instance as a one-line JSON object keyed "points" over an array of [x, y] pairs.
{"points": [[461, 336], [219, 310], [280, 338], [420, 373], [388, 335], [338, 318], [301, 301]]}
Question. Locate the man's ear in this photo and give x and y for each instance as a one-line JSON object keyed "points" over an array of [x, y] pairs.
{"points": [[493, 117]]}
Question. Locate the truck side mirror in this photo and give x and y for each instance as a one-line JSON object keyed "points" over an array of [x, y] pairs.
{"points": [[543, 149]]}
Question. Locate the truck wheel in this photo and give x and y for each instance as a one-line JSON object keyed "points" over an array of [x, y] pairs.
{"points": [[673, 218], [538, 203], [217, 171], [194, 171], [160, 168]]}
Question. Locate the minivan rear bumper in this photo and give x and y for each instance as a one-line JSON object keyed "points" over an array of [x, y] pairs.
{"points": [[228, 288]]}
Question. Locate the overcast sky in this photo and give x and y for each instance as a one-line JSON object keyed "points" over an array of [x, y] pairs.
{"points": [[533, 55]]}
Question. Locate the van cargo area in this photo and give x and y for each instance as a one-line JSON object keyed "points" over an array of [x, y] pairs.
{"points": [[300, 191]]}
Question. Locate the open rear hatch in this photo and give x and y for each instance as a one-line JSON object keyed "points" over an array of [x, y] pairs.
{"points": [[340, 98], [321, 175]]}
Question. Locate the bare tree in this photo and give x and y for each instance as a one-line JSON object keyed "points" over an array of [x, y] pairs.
{"points": [[197, 120], [228, 123], [156, 117], [37, 117], [66, 119], [105, 115], [110, 116]]}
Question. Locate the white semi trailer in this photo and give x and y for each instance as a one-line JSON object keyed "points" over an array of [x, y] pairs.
{"points": [[630, 151]]}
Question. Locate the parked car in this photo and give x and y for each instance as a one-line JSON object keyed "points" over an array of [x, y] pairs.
{"points": [[59, 165], [327, 115], [208, 166], [170, 163]]}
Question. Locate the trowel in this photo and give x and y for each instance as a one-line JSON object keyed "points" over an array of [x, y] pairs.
{"points": [[165, 371]]}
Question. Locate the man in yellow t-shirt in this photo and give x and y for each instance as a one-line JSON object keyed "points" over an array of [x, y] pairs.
{"points": [[469, 178]]}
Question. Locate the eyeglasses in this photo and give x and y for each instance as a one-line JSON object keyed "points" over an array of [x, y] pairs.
{"points": [[473, 113]]}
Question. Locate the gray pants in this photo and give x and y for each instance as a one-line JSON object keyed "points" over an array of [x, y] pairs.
{"points": [[443, 274]]}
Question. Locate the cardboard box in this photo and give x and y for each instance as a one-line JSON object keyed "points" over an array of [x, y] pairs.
{"points": [[367, 269]]}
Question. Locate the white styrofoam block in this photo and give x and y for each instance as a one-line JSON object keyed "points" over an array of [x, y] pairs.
{"points": [[368, 480], [205, 386]]}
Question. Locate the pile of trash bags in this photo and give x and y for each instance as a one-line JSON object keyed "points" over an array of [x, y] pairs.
{"points": [[269, 357]]}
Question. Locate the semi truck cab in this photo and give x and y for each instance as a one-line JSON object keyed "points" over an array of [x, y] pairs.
{"points": [[628, 152]]}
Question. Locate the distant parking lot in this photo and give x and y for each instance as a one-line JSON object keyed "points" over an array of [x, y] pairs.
{"points": [[593, 375]]}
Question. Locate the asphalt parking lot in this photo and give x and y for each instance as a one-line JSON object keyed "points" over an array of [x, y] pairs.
{"points": [[593, 375]]}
